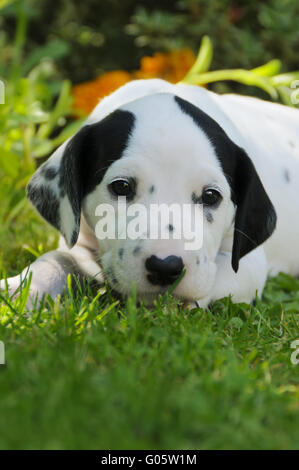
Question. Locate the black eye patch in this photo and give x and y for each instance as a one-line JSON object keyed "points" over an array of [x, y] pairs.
{"points": [[49, 172]]}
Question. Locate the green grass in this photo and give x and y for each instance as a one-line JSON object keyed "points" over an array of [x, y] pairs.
{"points": [[89, 372]]}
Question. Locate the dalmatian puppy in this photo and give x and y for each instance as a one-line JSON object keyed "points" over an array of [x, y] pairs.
{"points": [[152, 142]]}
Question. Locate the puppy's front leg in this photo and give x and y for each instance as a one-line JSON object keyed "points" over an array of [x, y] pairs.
{"points": [[242, 285], [50, 272]]}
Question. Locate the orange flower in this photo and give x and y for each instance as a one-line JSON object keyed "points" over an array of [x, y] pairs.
{"points": [[171, 66], [87, 94], [153, 65]]}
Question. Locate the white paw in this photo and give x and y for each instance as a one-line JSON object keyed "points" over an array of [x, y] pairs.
{"points": [[14, 286], [201, 303]]}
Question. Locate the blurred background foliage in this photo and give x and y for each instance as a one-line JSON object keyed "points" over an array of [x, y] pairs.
{"points": [[88, 38]]}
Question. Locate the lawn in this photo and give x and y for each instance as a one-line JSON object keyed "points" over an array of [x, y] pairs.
{"points": [[88, 371]]}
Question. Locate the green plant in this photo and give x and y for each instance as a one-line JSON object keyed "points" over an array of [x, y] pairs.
{"points": [[36, 106], [266, 77], [128, 377], [36, 103], [245, 34]]}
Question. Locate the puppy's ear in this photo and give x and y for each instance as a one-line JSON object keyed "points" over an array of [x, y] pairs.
{"points": [[255, 218], [58, 187]]}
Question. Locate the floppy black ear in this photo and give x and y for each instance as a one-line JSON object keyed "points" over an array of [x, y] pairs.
{"points": [[58, 187], [255, 218]]}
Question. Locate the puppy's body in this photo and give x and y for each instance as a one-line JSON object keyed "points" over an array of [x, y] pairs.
{"points": [[170, 147]]}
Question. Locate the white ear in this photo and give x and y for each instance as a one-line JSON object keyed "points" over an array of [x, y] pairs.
{"points": [[58, 187]]}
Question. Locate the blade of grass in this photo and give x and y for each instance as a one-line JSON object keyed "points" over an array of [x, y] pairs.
{"points": [[176, 283]]}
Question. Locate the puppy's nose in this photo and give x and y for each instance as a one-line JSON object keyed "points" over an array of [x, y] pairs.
{"points": [[164, 271]]}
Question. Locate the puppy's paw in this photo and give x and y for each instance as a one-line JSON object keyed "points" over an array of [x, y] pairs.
{"points": [[14, 286], [11, 284], [201, 303], [189, 305]]}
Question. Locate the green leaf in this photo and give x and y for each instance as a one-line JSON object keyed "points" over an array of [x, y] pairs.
{"points": [[9, 163], [55, 49], [285, 78], [16, 210], [45, 147], [238, 75], [204, 57], [5, 3], [268, 70], [67, 132], [61, 109]]}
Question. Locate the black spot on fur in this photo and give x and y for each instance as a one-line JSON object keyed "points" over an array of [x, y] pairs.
{"points": [[286, 175], [255, 215], [209, 216], [136, 250], [45, 201], [152, 189], [121, 253], [49, 172], [111, 276], [197, 260], [291, 144], [170, 228], [195, 199]]}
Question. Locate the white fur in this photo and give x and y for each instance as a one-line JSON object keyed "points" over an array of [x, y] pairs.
{"points": [[67, 219], [169, 151]]}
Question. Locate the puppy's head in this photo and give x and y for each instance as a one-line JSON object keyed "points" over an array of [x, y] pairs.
{"points": [[159, 149]]}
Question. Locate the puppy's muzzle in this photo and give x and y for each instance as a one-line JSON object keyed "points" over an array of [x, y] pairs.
{"points": [[165, 271]]}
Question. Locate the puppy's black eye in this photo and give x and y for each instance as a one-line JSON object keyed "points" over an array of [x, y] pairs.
{"points": [[211, 197], [123, 187]]}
